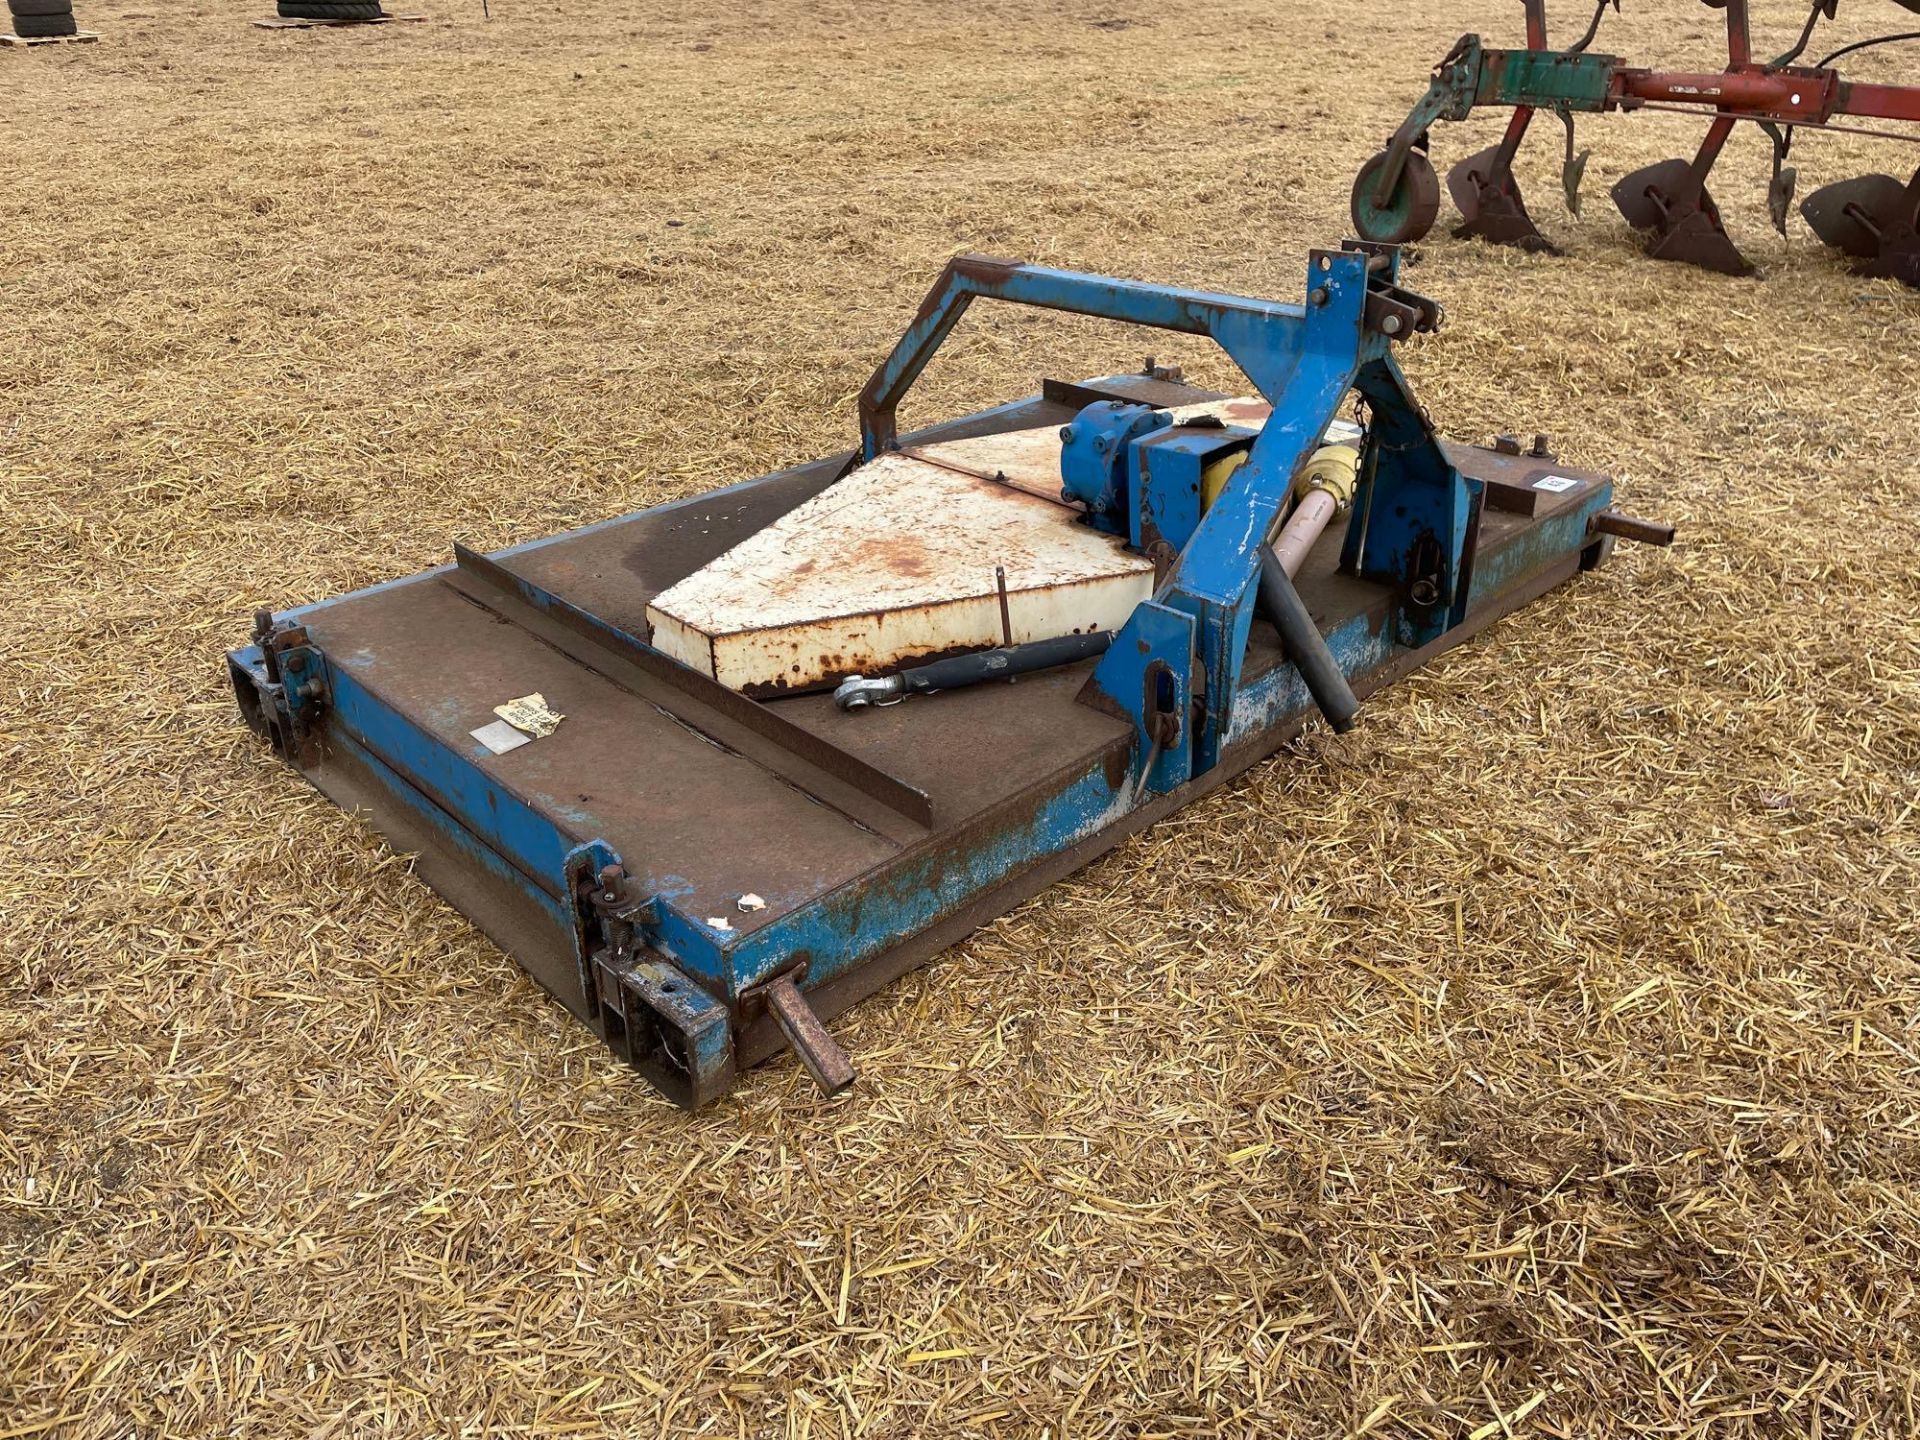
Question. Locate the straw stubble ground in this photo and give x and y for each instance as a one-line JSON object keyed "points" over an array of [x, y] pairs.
{"points": [[1538, 1059]]}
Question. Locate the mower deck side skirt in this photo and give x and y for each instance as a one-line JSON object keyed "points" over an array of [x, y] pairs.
{"points": [[518, 829], [622, 766], [518, 915]]}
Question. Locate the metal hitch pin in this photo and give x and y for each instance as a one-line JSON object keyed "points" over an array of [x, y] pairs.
{"points": [[826, 1062]]}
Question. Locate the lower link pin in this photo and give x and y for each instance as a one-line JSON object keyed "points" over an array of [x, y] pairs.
{"points": [[825, 1061]]}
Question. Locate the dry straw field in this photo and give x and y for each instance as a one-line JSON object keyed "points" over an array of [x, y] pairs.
{"points": [[1542, 1059]]}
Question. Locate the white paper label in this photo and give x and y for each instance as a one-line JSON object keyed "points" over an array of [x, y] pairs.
{"points": [[500, 737], [1555, 483]]}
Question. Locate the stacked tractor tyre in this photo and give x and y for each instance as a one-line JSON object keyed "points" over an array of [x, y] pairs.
{"points": [[325, 9], [42, 19]]}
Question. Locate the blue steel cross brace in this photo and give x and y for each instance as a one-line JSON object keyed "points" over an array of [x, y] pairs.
{"points": [[1180, 654]]}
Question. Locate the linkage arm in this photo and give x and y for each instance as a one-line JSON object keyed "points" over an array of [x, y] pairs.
{"points": [[1261, 336]]}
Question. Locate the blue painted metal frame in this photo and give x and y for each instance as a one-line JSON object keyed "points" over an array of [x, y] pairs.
{"points": [[1169, 476], [1304, 360], [1175, 669]]}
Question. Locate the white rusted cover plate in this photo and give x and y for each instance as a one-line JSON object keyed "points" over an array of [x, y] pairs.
{"points": [[891, 564]]}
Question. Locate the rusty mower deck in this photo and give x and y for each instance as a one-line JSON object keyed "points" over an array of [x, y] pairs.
{"points": [[703, 877]]}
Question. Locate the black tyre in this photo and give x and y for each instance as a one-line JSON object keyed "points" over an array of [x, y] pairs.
{"points": [[330, 10], [41, 27], [40, 7]]}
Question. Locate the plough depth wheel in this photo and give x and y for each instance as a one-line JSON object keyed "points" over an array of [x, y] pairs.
{"points": [[1410, 208]]}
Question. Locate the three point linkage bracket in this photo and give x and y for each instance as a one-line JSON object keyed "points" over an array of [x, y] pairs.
{"points": [[1413, 509], [1391, 310]]}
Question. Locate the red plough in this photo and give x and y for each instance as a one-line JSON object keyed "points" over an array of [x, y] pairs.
{"points": [[1874, 219]]}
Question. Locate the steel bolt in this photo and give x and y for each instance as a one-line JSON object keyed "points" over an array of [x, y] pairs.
{"points": [[1318, 296]]}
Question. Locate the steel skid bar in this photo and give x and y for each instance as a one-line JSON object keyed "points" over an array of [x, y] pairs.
{"points": [[1180, 655]]}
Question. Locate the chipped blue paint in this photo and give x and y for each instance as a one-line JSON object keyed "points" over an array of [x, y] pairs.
{"points": [[1360, 645], [1280, 694], [842, 929], [1549, 540], [695, 945]]}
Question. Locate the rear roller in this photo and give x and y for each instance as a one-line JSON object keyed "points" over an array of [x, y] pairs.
{"points": [[1408, 210], [1873, 218], [1669, 202]]}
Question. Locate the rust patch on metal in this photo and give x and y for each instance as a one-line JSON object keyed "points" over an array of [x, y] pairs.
{"points": [[987, 269], [826, 1062], [902, 554]]}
